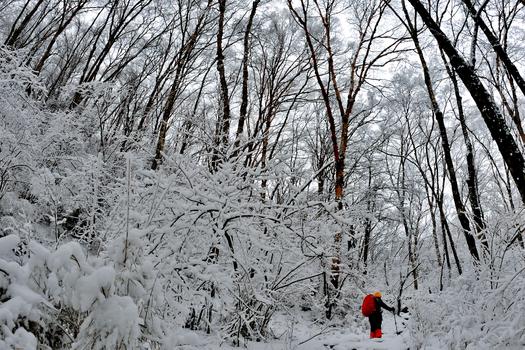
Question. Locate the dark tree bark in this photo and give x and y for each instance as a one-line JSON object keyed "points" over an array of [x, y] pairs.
{"points": [[496, 45], [460, 209], [368, 222], [489, 110], [244, 98], [223, 123], [16, 31], [472, 180]]}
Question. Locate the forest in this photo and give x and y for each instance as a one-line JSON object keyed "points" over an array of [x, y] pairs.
{"points": [[205, 174]]}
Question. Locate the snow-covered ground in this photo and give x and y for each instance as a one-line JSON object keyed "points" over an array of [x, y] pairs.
{"points": [[307, 336]]}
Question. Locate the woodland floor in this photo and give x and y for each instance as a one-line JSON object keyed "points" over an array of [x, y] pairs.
{"points": [[307, 336]]}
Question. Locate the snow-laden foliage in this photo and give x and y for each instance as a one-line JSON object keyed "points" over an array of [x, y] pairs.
{"points": [[102, 253], [61, 297], [221, 257], [175, 174], [483, 309], [191, 249]]}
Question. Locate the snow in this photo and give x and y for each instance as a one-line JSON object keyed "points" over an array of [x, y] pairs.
{"points": [[7, 246], [184, 339], [114, 321], [19, 340], [299, 334], [94, 287], [98, 251]]}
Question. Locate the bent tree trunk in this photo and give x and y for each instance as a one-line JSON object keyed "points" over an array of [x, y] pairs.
{"points": [[489, 110]]}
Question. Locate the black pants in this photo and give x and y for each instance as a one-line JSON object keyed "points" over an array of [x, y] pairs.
{"points": [[375, 321]]}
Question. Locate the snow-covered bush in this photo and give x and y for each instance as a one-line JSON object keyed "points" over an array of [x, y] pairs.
{"points": [[208, 243], [481, 309], [120, 256], [62, 299]]}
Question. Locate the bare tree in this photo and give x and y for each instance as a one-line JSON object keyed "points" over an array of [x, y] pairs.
{"points": [[21, 22], [438, 114], [331, 81], [185, 58], [490, 112], [224, 119], [245, 74], [495, 43], [69, 13]]}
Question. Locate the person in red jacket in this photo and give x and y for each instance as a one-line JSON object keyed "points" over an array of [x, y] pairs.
{"points": [[376, 318]]}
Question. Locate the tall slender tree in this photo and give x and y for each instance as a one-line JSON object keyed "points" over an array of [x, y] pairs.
{"points": [[490, 112]]}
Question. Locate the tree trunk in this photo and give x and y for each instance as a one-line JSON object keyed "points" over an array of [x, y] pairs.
{"points": [[223, 126], [447, 233], [368, 222], [460, 209], [472, 180], [15, 32], [489, 110], [244, 98], [496, 45], [166, 115]]}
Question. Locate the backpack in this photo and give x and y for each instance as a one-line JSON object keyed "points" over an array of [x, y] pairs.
{"points": [[369, 305]]}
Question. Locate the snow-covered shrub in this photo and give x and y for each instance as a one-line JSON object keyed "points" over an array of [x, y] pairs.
{"points": [[20, 307], [111, 324], [137, 279], [202, 250], [61, 299], [481, 309], [114, 255], [20, 119]]}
